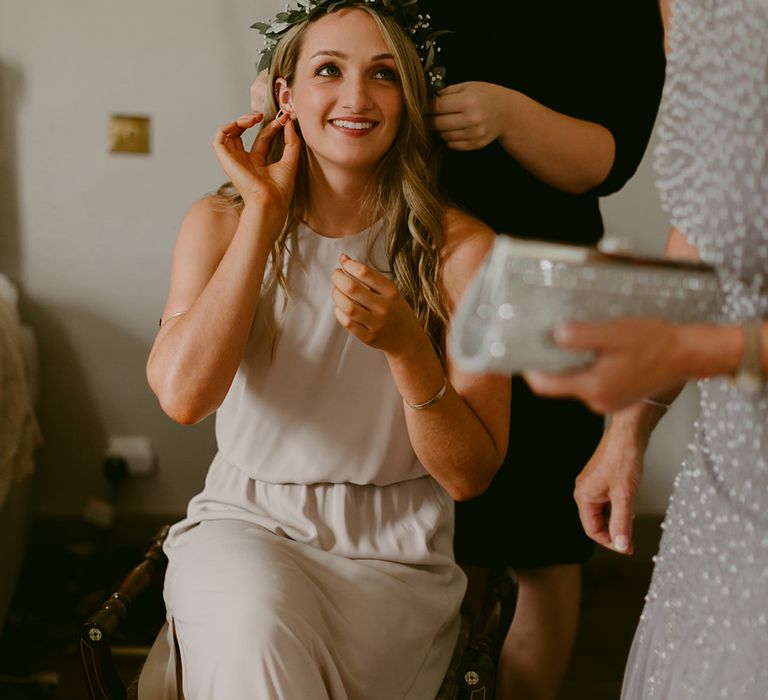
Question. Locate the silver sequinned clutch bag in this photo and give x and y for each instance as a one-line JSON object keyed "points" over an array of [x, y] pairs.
{"points": [[526, 288]]}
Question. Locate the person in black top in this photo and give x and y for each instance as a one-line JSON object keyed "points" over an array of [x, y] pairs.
{"points": [[548, 106]]}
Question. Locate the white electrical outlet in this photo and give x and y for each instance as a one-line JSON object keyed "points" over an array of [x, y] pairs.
{"points": [[137, 452]]}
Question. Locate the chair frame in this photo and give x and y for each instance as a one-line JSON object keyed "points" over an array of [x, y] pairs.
{"points": [[471, 675], [96, 633]]}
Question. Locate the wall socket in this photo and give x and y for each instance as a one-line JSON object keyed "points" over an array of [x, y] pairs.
{"points": [[137, 452]]}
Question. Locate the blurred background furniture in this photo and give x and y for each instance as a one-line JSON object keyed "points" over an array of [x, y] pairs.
{"points": [[18, 438]]}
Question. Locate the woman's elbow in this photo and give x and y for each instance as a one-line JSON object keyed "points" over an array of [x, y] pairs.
{"points": [[183, 412], [477, 479], [176, 404], [468, 490]]}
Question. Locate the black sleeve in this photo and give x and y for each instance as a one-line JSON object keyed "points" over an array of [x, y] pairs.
{"points": [[627, 64]]}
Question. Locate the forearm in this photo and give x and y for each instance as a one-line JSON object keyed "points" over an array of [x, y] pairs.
{"points": [[449, 438], [196, 355], [566, 153], [709, 350], [636, 422]]}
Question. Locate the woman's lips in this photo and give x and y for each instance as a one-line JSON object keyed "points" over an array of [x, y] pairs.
{"points": [[354, 127]]}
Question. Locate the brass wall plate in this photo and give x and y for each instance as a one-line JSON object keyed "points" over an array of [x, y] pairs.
{"points": [[129, 134]]}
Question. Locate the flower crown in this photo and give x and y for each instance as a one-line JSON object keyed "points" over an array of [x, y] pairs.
{"points": [[404, 12]]}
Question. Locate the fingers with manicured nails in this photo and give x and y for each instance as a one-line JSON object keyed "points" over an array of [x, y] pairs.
{"points": [[593, 520], [621, 523]]}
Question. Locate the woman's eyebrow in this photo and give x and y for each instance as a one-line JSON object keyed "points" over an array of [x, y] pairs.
{"points": [[342, 55]]}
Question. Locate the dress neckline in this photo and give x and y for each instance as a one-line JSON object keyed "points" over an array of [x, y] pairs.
{"points": [[360, 234]]}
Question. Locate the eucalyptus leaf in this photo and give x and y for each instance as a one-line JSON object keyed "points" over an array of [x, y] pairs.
{"points": [[279, 27]]}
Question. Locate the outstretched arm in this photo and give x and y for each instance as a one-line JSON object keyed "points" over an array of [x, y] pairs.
{"points": [[461, 438], [607, 487], [218, 262], [569, 154], [644, 357], [579, 127]]}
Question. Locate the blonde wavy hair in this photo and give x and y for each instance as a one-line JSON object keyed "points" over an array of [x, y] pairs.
{"points": [[403, 193]]}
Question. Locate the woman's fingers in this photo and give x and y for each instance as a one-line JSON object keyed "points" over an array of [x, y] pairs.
{"points": [[264, 138], [586, 336], [449, 101], [369, 277], [621, 523], [352, 309], [292, 147], [445, 124], [594, 521], [232, 131], [354, 290], [550, 384]]}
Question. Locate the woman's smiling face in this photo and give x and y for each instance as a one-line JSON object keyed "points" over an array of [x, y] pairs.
{"points": [[346, 92]]}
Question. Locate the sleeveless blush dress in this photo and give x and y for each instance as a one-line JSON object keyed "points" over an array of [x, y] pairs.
{"points": [[317, 562]]}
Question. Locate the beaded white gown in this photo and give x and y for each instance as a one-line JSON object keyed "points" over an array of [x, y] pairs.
{"points": [[317, 563], [704, 632]]}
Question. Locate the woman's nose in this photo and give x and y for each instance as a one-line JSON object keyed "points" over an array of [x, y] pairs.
{"points": [[356, 95]]}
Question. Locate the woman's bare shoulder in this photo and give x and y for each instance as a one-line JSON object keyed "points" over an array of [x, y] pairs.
{"points": [[208, 225], [465, 232], [212, 214], [467, 241]]}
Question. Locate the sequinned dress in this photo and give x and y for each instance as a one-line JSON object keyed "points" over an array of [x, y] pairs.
{"points": [[317, 562], [704, 632]]}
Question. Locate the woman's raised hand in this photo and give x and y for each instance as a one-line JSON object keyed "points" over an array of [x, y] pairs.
{"points": [[253, 178], [636, 358], [468, 116], [371, 308]]}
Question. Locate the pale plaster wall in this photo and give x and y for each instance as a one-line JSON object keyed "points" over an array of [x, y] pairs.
{"points": [[88, 235]]}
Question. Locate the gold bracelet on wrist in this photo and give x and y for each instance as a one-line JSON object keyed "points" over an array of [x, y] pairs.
{"points": [[439, 395], [165, 320], [657, 404]]}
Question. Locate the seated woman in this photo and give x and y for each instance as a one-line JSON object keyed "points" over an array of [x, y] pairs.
{"points": [[308, 306]]}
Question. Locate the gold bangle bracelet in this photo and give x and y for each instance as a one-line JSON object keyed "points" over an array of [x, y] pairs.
{"points": [[161, 321], [439, 395]]}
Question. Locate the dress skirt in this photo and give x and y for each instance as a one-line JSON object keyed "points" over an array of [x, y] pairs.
{"points": [[703, 634], [287, 591]]}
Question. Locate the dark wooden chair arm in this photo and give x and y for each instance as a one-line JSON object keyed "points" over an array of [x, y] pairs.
{"points": [[96, 634]]}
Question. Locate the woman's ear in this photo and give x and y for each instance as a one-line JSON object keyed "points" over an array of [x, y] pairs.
{"points": [[283, 96]]}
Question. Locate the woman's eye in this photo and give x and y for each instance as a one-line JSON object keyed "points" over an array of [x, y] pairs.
{"points": [[328, 71], [385, 74]]}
